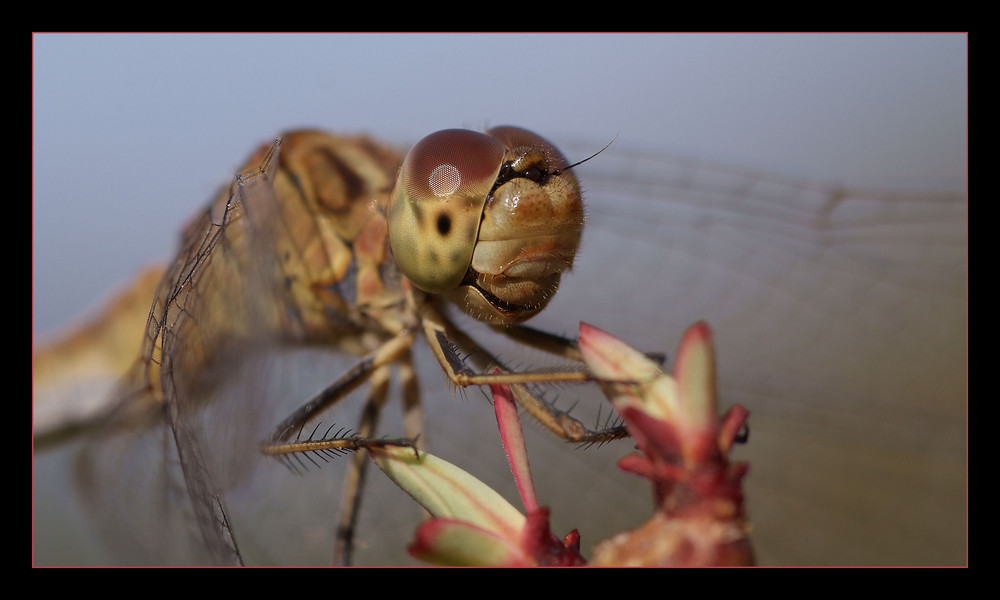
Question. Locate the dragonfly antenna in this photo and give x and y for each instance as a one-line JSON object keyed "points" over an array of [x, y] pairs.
{"points": [[589, 157]]}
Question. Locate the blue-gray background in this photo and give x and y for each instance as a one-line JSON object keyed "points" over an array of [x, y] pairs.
{"points": [[133, 133]]}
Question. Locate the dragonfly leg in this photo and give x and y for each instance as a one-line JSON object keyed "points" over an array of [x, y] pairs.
{"points": [[354, 483], [388, 353], [447, 341], [375, 369], [413, 414], [555, 345], [551, 343]]}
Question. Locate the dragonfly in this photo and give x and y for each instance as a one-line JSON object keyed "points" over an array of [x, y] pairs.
{"points": [[802, 282], [487, 221]]}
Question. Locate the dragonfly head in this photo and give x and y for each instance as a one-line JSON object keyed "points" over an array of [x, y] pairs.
{"points": [[488, 220]]}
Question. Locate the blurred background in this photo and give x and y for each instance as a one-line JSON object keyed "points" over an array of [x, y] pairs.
{"points": [[133, 133]]}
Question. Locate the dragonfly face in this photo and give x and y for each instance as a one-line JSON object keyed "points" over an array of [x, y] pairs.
{"points": [[490, 220]]}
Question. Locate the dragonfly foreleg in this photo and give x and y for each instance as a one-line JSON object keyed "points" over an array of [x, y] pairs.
{"points": [[446, 340], [551, 343], [555, 345]]}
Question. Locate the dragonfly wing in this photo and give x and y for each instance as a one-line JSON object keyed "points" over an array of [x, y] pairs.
{"points": [[201, 328], [840, 321]]}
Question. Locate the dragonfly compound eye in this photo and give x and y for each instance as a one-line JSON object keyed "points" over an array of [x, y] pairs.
{"points": [[437, 204]]}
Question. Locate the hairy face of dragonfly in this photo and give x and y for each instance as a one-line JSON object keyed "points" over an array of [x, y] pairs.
{"points": [[489, 220]]}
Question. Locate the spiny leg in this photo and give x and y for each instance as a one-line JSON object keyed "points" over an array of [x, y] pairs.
{"points": [[568, 348], [374, 367], [389, 352], [446, 341], [551, 343], [555, 345]]}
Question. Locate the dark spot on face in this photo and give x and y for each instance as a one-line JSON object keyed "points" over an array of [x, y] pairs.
{"points": [[443, 224]]}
